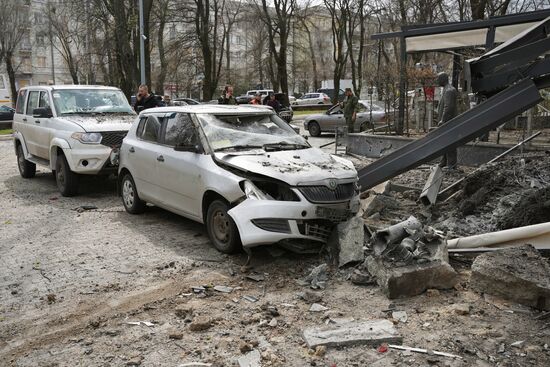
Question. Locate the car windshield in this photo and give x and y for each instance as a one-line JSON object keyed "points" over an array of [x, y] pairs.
{"points": [[241, 132], [90, 101]]}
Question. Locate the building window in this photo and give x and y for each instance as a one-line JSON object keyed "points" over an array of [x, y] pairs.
{"points": [[39, 18], [40, 40], [41, 61], [26, 64]]}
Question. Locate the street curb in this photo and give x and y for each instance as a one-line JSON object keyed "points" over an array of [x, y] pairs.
{"points": [[6, 137]]}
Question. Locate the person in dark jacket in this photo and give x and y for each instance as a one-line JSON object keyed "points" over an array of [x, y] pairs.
{"points": [[144, 100], [350, 107], [447, 110], [273, 103], [227, 96]]}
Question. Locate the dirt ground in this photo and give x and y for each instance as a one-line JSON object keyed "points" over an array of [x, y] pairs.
{"points": [[71, 281]]}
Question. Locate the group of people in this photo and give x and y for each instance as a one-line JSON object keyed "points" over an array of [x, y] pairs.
{"points": [[270, 100]]}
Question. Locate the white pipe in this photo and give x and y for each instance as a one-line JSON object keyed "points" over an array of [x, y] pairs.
{"points": [[537, 235]]}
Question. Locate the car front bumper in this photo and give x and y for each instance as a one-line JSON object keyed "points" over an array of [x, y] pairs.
{"points": [[91, 159], [262, 222]]}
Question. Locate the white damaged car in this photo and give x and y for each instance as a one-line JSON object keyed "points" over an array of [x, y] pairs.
{"points": [[242, 171]]}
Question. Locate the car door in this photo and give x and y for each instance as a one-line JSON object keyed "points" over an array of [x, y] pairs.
{"points": [[43, 127], [30, 131], [179, 170], [142, 154], [334, 118], [363, 116]]}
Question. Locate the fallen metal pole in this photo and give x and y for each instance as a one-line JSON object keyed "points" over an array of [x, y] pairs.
{"points": [[425, 351], [327, 144], [491, 161]]}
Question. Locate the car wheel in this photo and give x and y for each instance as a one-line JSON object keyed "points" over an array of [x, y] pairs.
{"points": [[26, 169], [130, 198], [67, 180], [221, 229], [314, 129]]}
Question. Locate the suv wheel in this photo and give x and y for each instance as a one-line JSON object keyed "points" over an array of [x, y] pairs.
{"points": [[130, 198], [221, 229], [314, 129], [67, 180], [26, 169]]}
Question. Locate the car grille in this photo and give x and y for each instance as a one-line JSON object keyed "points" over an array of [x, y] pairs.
{"points": [[322, 194], [319, 230], [272, 224], [113, 138], [332, 214]]}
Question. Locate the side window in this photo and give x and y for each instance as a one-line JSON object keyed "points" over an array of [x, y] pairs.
{"points": [[140, 127], [151, 129], [44, 100], [20, 107], [32, 102], [180, 130]]}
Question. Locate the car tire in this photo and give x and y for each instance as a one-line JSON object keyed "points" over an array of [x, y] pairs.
{"points": [[221, 228], [130, 197], [314, 128], [67, 180], [26, 169]]}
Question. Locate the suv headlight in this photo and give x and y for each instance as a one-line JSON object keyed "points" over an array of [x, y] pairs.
{"points": [[87, 138], [252, 192]]}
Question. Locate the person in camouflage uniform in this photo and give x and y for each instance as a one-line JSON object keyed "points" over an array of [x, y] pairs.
{"points": [[350, 106]]}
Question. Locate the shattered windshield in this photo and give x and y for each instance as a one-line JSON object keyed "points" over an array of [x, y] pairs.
{"points": [[90, 101], [241, 132]]}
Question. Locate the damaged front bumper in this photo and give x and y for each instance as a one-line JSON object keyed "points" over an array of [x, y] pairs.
{"points": [[263, 222]]}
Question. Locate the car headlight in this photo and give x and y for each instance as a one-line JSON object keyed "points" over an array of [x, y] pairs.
{"points": [[252, 192], [87, 138]]}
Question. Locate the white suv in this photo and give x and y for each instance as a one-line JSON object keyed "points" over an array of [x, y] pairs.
{"points": [[71, 129]]}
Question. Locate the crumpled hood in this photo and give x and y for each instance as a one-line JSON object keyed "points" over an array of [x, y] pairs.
{"points": [[102, 122], [295, 167]]}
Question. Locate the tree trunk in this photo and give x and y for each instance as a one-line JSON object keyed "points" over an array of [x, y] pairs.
{"points": [[316, 84], [147, 5], [11, 77], [160, 41], [478, 9]]}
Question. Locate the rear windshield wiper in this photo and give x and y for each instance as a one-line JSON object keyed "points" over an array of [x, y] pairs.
{"points": [[238, 147], [284, 145]]}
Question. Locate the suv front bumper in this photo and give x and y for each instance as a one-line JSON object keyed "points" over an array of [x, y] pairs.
{"points": [[90, 159]]}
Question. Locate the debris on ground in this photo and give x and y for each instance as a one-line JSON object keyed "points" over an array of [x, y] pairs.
{"points": [[251, 359], [316, 307], [424, 351], [371, 333], [317, 278], [347, 240], [517, 274]]}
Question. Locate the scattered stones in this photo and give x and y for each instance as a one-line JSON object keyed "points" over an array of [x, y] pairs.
{"points": [[432, 293], [317, 278], [311, 297], [51, 298], [360, 278], [223, 289], [320, 351], [184, 312], [175, 335], [256, 277], [200, 324], [135, 361], [371, 333], [348, 238], [273, 322], [245, 347], [399, 316], [316, 307], [251, 359], [518, 344], [251, 299], [517, 274], [411, 280], [461, 309]]}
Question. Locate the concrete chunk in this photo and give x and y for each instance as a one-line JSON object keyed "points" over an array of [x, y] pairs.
{"points": [[251, 359], [411, 280], [349, 238], [431, 188], [370, 333], [518, 274]]}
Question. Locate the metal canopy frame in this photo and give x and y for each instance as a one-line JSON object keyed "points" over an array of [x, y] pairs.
{"points": [[432, 29]]}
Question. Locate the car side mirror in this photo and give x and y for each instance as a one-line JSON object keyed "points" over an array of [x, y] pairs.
{"points": [[140, 108], [42, 112]]}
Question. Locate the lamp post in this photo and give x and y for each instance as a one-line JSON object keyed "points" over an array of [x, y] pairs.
{"points": [[141, 44]]}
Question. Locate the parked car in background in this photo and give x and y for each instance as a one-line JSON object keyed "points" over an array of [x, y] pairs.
{"points": [[184, 102], [71, 129], [243, 99], [6, 113], [286, 112], [263, 92], [328, 121], [313, 98], [330, 93], [240, 170]]}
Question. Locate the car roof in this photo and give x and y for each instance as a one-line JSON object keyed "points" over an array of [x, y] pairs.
{"points": [[70, 86], [210, 108]]}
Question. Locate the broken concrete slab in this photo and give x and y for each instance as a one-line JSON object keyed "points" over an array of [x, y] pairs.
{"points": [[431, 188], [379, 203], [371, 333], [348, 239], [411, 280], [517, 274], [251, 359]]}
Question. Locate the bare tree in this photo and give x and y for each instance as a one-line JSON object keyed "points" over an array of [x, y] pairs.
{"points": [[339, 21], [14, 20], [161, 13]]}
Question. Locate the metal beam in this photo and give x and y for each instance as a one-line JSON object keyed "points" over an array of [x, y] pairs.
{"points": [[458, 131]]}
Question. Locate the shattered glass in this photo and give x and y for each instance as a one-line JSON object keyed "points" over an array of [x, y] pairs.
{"points": [[248, 131]]}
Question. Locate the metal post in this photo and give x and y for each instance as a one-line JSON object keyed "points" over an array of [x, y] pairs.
{"points": [[141, 44], [402, 86]]}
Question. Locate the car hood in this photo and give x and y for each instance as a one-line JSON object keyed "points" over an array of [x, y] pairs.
{"points": [[102, 122], [295, 167]]}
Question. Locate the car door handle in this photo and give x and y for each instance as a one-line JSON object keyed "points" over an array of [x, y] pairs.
{"points": [[160, 158], [131, 150], [24, 120], [36, 121]]}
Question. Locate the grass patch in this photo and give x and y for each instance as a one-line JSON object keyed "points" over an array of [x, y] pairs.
{"points": [[6, 131]]}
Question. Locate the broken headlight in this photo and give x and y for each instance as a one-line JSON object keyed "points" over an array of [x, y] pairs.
{"points": [[87, 138], [268, 190]]}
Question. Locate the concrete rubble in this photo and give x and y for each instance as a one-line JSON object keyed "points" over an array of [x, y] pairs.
{"points": [[251, 359], [517, 274], [370, 333], [348, 239], [408, 259]]}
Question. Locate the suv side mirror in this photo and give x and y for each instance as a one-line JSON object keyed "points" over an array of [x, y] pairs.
{"points": [[42, 112]]}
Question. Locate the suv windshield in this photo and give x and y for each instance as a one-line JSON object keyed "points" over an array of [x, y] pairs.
{"points": [[241, 132], [89, 101]]}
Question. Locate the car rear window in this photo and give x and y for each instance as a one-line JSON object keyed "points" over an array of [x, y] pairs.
{"points": [[20, 107]]}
